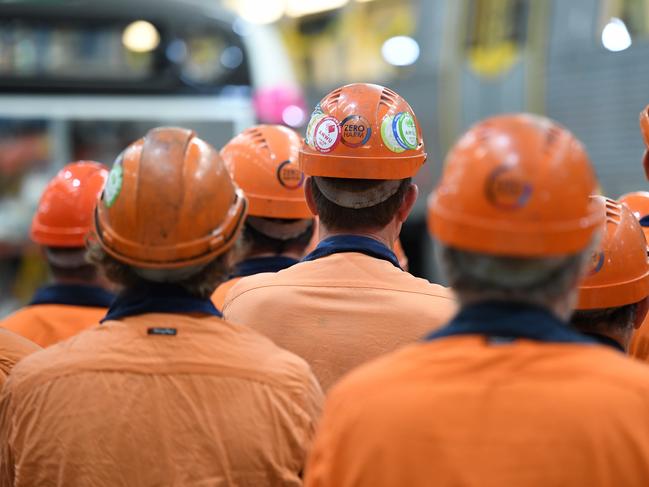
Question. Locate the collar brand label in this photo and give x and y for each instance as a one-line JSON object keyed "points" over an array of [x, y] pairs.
{"points": [[162, 331]]}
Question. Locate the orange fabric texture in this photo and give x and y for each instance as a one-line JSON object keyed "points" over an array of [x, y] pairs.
{"points": [[47, 324], [214, 404], [13, 348], [458, 411], [218, 297], [340, 311]]}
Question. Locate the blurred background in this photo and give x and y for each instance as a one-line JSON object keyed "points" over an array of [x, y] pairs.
{"points": [[80, 79]]}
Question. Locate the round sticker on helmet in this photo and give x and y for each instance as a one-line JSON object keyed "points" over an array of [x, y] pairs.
{"points": [[405, 130], [356, 131], [310, 128], [289, 175], [113, 184], [387, 135], [326, 135]]}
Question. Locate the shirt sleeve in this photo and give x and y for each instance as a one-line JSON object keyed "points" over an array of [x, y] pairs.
{"points": [[7, 467]]}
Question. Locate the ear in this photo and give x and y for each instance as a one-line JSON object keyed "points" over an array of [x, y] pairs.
{"points": [[408, 203], [308, 194], [641, 312]]}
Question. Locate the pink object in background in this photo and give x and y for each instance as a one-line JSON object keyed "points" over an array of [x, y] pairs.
{"points": [[280, 104]]}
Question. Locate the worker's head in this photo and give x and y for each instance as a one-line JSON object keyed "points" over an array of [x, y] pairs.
{"points": [[614, 293], [263, 161], [169, 213], [64, 219], [638, 203], [513, 214], [363, 145]]}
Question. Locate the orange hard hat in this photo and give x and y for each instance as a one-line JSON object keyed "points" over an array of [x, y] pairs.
{"points": [[638, 202], [620, 268], [644, 129], [263, 161], [65, 211], [169, 202], [516, 185], [363, 131]]}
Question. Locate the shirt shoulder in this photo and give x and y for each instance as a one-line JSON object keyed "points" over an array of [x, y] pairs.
{"points": [[14, 348], [344, 270], [126, 347]]}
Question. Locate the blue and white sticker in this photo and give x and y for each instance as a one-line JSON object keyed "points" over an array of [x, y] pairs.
{"points": [[387, 135], [404, 129], [114, 183]]}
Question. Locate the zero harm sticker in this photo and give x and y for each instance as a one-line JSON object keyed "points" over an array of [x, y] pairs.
{"points": [[356, 131], [326, 135], [289, 175], [387, 135], [113, 184], [405, 130]]}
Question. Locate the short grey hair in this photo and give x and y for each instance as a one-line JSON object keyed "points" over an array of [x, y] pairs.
{"points": [[539, 281]]}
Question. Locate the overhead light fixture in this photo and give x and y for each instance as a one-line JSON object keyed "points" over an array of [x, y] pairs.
{"points": [[140, 36], [615, 35], [302, 8], [400, 51], [261, 11]]}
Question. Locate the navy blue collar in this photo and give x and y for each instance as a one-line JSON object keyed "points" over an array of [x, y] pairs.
{"points": [[257, 265], [353, 243], [608, 341], [504, 322], [158, 298], [73, 295]]}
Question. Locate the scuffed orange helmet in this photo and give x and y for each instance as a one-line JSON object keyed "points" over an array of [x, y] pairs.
{"points": [[169, 202], [638, 202], [363, 131], [263, 161], [620, 268], [65, 211], [516, 185], [644, 129]]}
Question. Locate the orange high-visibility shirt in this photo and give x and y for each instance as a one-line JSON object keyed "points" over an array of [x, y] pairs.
{"points": [[58, 312], [250, 267], [158, 399], [532, 404], [13, 348], [340, 310]]}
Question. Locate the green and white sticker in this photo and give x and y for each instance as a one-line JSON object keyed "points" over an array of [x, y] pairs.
{"points": [[113, 184], [405, 130], [387, 135], [316, 116]]}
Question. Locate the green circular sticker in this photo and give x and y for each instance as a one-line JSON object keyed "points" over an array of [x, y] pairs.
{"points": [[406, 130], [113, 184], [310, 128], [387, 135]]}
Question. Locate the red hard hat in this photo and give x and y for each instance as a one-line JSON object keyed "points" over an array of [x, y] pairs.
{"points": [[65, 211]]}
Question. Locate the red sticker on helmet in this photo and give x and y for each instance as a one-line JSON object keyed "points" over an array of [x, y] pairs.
{"points": [[326, 135]]}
